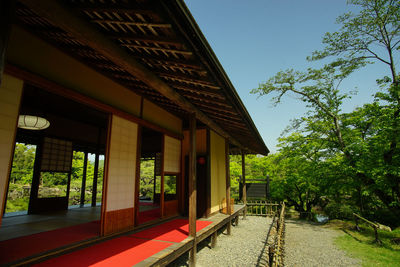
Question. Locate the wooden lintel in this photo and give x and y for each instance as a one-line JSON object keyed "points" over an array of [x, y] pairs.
{"points": [[85, 32], [134, 23]]}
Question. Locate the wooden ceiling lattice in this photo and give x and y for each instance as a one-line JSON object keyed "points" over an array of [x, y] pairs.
{"points": [[144, 29]]}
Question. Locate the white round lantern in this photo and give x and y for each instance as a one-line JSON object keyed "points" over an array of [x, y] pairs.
{"points": [[32, 122]]}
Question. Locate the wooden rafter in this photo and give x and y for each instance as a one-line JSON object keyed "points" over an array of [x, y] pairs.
{"points": [[170, 61], [116, 9], [145, 38], [185, 79], [132, 23], [162, 49], [198, 91], [213, 107]]}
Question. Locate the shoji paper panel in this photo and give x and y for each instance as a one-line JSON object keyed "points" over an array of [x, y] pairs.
{"points": [[122, 164], [10, 97], [172, 154], [56, 155], [218, 171]]}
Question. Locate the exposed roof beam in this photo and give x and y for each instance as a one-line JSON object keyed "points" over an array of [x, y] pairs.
{"points": [[66, 19]]}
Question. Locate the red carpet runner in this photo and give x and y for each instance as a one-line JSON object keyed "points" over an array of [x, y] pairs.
{"points": [[21, 247], [149, 215], [128, 250]]}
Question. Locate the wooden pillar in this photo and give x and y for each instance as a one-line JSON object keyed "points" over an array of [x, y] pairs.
{"points": [[83, 187], [244, 195], [96, 170], [162, 188], [95, 179], [228, 186], [35, 178], [137, 174], [192, 188]]}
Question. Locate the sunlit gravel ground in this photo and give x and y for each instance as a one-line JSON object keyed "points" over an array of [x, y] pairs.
{"points": [[244, 247], [307, 244]]}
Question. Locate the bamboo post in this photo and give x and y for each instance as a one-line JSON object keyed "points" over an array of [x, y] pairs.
{"points": [[244, 195]]}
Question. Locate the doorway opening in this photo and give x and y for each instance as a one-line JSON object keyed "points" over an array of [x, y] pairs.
{"points": [[149, 204], [56, 178]]}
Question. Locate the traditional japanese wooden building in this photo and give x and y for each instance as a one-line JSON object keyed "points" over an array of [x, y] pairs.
{"points": [[126, 80]]}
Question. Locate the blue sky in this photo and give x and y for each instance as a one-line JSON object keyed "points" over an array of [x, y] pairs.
{"points": [[255, 39]]}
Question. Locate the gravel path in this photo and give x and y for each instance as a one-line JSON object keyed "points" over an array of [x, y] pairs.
{"points": [[313, 245], [306, 244], [244, 247]]}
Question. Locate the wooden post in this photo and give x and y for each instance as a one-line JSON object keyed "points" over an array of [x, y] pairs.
{"points": [[95, 178], [214, 239], [192, 188], [83, 187], [137, 174], [244, 185], [96, 170], [162, 188], [376, 235], [228, 186]]}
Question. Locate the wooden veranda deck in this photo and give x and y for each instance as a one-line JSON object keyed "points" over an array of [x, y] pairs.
{"points": [[161, 258], [171, 253]]}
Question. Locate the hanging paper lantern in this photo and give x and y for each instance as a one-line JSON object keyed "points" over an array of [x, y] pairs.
{"points": [[32, 122]]}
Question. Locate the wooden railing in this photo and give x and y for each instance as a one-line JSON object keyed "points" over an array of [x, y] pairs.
{"points": [[262, 208], [374, 225], [277, 247]]}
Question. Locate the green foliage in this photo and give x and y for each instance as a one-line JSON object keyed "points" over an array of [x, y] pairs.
{"points": [[341, 211], [361, 245], [337, 157], [147, 178], [52, 184]]}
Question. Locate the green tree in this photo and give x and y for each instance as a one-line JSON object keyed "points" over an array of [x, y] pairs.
{"points": [[366, 140]]}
